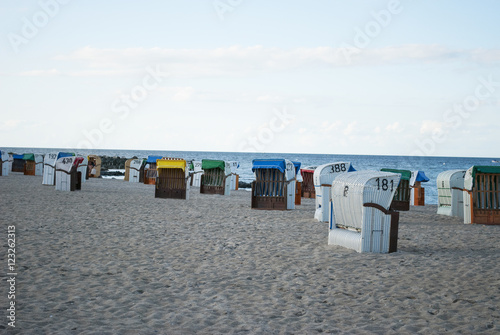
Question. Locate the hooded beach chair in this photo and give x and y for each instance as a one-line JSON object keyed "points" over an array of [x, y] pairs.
{"points": [[49, 166], [360, 218], [235, 178], [68, 178], [417, 195], [298, 183], [196, 173], [127, 169], [4, 163], [83, 168], [94, 165], [482, 195], [29, 164], [307, 190], [18, 163], [323, 177], [274, 185], [401, 200], [136, 170], [216, 178], [150, 172], [173, 179], [450, 186]]}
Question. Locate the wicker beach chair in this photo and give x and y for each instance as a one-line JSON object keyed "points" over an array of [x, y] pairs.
{"points": [[274, 185], [136, 171], [29, 164], [17, 163], [401, 200], [307, 189], [150, 172], [361, 219], [417, 195], [482, 195], [450, 186], [95, 164], [68, 178], [173, 179], [216, 178], [323, 177]]}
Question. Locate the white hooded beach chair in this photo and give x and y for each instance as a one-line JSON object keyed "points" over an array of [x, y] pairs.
{"points": [[216, 178], [49, 166], [4, 163], [450, 185], [196, 173], [173, 179], [323, 177], [417, 195], [136, 170], [234, 175], [361, 219], [274, 185], [482, 195], [67, 176]]}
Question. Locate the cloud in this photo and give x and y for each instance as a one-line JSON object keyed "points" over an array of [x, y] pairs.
{"points": [[429, 127]]}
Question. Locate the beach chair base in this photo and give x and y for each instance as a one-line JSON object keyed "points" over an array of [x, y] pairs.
{"points": [[268, 202], [29, 168], [170, 194], [487, 217], [212, 189], [298, 193]]}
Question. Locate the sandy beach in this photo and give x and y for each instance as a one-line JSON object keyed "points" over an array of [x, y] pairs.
{"points": [[112, 259]]}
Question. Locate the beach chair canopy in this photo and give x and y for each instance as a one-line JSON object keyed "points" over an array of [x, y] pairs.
{"points": [[297, 167], [171, 164], [350, 191], [326, 173], [208, 164], [470, 174], [136, 164], [308, 169], [15, 156], [29, 157], [282, 165], [65, 154], [38, 159], [66, 163], [153, 159], [405, 174], [418, 176]]}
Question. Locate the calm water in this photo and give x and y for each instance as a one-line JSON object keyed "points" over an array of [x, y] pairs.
{"points": [[432, 166]]}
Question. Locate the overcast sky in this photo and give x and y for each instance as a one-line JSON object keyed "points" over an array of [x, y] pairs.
{"points": [[324, 76]]}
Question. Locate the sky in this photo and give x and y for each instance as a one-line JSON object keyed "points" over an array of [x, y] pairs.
{"points": [[394, 77]]}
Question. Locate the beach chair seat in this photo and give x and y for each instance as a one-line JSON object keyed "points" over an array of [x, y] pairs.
{"points": [[274, 185], [4, 163], [307, 188], [401, 201], [361, 218], [173, 179], [216, 178], [482, 195], [450, 187], [68, 178], [323, 177]]}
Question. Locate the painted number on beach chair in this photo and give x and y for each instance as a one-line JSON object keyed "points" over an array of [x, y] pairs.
{"points": [[384, 184], [339, 168], [52, 156], [346, 190], [67, 160]]}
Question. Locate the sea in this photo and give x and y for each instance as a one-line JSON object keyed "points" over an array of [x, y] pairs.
{"points": [[430, 165]]}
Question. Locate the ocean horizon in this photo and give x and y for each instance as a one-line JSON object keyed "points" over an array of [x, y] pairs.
{"points": [[431, 165]]}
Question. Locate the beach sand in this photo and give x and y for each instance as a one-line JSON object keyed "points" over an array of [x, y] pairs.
{"points": [[112, 259]]}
